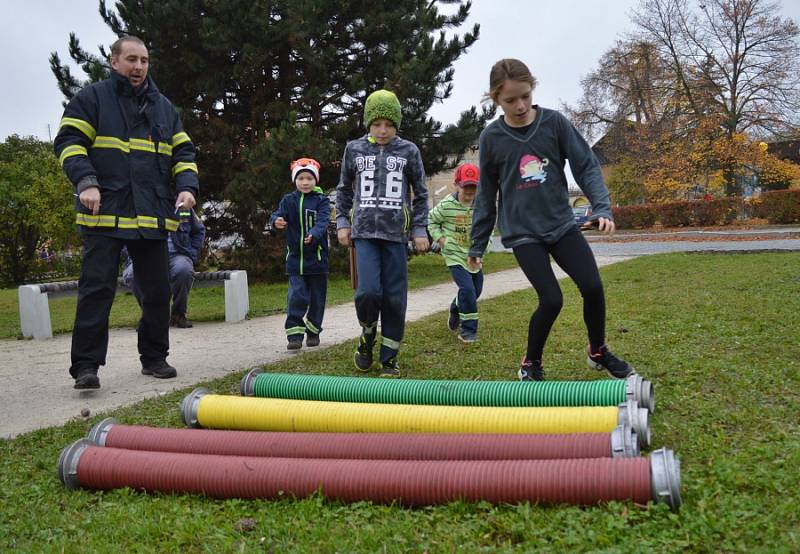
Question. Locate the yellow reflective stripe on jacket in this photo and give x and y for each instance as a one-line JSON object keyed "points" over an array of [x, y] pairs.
{"points": [[74, 150], [142, 221], [142, 145], [90, 220], [183, 166], [148, 222], [81, 125], [149, 146], [180, 138], [111, 142]]}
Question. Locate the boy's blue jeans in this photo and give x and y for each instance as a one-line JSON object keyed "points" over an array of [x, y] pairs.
{"points": [[305, 305], [382, 291], [465, 304]]}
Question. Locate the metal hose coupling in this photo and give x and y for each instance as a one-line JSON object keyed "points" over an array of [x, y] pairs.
{"points": [[189, 406], [638, 419], [624, 442], [68, 462], [641, 390], [246, 386], [98, 434], [665, 478]]}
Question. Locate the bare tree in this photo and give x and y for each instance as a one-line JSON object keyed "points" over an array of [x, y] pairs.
{"points": [[736, 60], [631, 84]]}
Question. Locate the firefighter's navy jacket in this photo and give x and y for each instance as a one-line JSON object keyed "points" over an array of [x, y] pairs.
{"points": [[305, 214], [132, 142]]}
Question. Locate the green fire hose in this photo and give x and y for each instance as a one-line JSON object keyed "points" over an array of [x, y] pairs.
{"points": [[449, 393]]}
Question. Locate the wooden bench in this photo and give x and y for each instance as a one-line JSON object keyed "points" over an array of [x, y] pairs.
{"points": [[34, 308]]}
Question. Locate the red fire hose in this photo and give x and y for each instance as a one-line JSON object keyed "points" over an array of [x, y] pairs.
{"points": [[407, 482], [621, 442]]}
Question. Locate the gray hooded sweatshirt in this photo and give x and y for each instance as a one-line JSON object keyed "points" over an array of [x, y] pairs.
{"points": [[375, 188]]}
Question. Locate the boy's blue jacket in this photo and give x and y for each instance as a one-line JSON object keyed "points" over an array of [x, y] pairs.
{"points": [[305, 214]]}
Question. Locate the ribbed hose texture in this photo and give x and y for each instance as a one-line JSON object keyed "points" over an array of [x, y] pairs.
{"points": [[411, 483], [369, 446], [270, 414], [439, 392]]}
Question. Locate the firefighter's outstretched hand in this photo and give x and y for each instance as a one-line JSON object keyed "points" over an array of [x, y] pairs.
{"points": [[185, 200], [90, 198]]}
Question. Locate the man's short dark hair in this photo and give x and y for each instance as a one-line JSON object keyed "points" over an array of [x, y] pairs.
{"points": [[116, 48]]}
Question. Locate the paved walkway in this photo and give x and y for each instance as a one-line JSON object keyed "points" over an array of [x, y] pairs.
{"points": [[37, 391]]}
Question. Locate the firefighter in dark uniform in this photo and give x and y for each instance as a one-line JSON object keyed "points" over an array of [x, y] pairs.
{"points": [[122, 145]]}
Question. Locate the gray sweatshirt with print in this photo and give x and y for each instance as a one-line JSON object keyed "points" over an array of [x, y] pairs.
{"points": [[528, 173], [382, 192]]}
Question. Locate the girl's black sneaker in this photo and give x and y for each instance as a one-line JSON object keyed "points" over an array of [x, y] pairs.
{"points": [[530, 370], [604, 359]]}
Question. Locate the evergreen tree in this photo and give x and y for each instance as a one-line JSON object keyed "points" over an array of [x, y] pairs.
{"points": [[262, 81]]}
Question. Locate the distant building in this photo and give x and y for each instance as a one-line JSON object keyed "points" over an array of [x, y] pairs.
{"points": [[787, 150]]}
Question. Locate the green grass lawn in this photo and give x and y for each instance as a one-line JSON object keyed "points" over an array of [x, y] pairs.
{"points": [[717, 335], [208, 303]]}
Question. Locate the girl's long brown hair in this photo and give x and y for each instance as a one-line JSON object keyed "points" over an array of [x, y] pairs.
{"points": [[504, 70]]}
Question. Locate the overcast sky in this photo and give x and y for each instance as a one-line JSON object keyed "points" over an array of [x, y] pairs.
{"points": [[560, 40]]}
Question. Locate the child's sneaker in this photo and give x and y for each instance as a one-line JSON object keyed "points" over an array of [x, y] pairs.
{"points": [[604, 359], [312, 339], [530, 370], [467, 337], [363, 357], [390, 368], [452, 321], [295, 343]]}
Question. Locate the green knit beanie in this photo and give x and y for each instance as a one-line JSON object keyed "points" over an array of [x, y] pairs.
{"points": [[382, 104]]}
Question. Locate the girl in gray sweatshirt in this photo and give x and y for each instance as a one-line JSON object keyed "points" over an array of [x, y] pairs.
{"points": [[524, 188]]}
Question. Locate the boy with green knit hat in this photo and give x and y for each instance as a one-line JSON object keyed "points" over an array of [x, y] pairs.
{"points": [[381, 197], [450, 225]]}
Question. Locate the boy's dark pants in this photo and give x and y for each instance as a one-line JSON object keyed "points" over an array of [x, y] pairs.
{"points": [[465, 304], [382, 291], [307, 295], [96, 290]]}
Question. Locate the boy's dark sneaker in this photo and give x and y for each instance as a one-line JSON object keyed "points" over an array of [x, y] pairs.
{"points": [[605, 360], [452, 321], [363, 356], [295, 343], [530, 370], [467, 337], [390, 368], [159, 369], [87, 380], [312, 339]]}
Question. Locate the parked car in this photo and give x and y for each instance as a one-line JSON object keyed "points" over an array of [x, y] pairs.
{"points": [[582, 214]]}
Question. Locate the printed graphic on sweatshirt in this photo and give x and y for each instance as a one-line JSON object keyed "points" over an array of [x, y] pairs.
{"points": [[531, 170], [462, 228], [388, 194]]}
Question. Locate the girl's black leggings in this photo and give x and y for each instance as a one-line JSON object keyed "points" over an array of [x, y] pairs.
{"points": [[572, 254]]}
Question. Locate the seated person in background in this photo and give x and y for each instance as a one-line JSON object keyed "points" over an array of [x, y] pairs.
{"points": [[184, 247]]}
